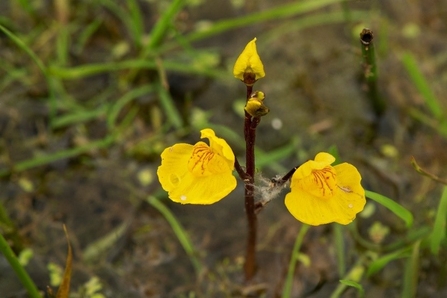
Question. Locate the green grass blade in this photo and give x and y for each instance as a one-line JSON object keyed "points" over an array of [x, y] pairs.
{"points": [[27, 6], [421, 84], [39, 63], [79, 117], [351, 279], [24, 48], [376, 265], [279, 12], [339, 248], [179, 231], [439, 229], [86, 33], [120, 13], [21, 273], [63, 45], [169, 108], [136, 22], [159, 31], [412, 235], [354, 284], [411, 275], [96, 68], [309, 21], [287, 290], [49, 158], [391, 205], [9, 230], [124, 100], [96, 249]]}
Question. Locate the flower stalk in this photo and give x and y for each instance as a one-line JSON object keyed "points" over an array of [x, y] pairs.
{"points": [[370, 71], [249, 68], [250, 125]]}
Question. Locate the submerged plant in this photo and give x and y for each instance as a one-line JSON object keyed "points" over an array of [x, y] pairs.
{"points": [[203, 174]]}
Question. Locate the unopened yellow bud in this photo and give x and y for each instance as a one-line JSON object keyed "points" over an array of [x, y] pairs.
{"points": [[259, 95], [256, 108], [248, 67]]}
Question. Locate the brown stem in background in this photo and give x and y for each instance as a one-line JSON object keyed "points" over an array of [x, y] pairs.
{"points": [[250, 124], [426, 173], [370, 71]]}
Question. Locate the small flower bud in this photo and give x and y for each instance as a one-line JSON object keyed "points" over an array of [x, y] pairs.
{"points": [[248, 67], [256, 108], [259, 95]]}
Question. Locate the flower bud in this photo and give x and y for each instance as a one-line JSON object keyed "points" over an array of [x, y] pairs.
{"points": [[248, 67], [256, 108]]}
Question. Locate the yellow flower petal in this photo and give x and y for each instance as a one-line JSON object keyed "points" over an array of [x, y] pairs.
{"points": [[174, 165], [322, 194], [198, 174], [219, 145], [248, 67]]}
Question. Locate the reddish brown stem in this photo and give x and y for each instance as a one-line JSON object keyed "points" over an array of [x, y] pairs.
{"points": [[250, 125], [240, 171]]}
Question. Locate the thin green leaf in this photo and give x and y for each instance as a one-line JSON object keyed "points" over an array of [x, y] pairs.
{"points": [[80, 117], [21, 273], [411, 275], [287, 290], [294, 25], [25, 48], [87, 31], [169, 107], [27, 6], [136, 22], [124, 100], [432, 102], [63, 45], [439, 229], [429, 121], [97, 248], [354, 284], [351, 278], [275, 13], [158, 33], [51, 157], [39, 63], [96, 68], [179, 231], [115, 8], [381, 262], [339, 248], [391, 205]]}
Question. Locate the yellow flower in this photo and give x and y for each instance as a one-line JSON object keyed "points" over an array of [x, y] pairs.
{"points": [[248, 67], [322, 194], [198, 174]]}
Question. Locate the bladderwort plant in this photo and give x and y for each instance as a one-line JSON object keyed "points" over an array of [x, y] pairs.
{"points": [[203, 173]]}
